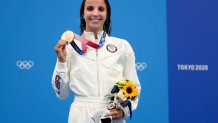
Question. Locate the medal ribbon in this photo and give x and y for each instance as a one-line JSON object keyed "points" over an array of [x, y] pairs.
{"points": [[86, 42]]}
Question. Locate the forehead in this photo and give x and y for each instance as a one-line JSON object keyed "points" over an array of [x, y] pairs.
{"points": [[95, 3]]}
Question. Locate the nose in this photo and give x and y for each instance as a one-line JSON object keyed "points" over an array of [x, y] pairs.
{"points": [[95, 12]]}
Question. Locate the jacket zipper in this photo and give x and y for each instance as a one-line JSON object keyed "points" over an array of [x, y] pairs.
{"points": [[97, 63]]}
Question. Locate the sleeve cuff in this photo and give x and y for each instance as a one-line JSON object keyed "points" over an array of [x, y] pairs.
{"points": [[61, 67]]}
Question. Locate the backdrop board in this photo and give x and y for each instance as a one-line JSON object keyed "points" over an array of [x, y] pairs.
{"points": [[30, 29], [192, 53]]}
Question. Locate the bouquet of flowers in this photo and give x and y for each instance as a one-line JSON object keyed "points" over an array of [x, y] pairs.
{"points": [[124, 92]]}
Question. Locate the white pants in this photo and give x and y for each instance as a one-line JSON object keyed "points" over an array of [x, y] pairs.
{"points": [[83, 109]]}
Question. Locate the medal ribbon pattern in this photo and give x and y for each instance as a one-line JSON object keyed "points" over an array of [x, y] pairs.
{"points": [[86, 42]]}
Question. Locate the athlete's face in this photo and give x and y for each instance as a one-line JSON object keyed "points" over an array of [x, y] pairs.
{"points": [[95, 14]]}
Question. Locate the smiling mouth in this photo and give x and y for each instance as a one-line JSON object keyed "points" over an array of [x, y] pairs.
{"points": [[95, 20]]}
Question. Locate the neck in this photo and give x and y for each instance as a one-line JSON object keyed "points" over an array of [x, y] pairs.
{"points": [[96, 35], [95, 32]]}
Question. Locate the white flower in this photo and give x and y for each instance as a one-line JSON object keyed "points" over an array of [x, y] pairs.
{"points": [[68, 36], [120, 93]]}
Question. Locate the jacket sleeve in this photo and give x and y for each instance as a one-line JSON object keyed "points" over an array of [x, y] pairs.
{"points": [[60, 78], [131, 74]]}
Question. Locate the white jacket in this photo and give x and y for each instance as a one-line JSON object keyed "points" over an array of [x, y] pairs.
{"points": [[95, 73]]}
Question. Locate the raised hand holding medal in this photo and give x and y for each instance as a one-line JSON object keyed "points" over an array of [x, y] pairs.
{"points": [[60, 50], [70, 36]]}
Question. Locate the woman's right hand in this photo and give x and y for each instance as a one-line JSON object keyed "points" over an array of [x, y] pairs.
{"points": [[60, 50]]}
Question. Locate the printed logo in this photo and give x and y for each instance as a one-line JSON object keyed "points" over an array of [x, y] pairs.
{"points": [[111, 48], [192, 67], [24, 64], [58, 83], [140, 66]]}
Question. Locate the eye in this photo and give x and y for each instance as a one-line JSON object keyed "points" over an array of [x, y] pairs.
{"points": [[101, 8], [89, 8]]}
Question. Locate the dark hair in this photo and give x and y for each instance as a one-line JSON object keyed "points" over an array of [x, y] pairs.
{"points": [[107, 23]]}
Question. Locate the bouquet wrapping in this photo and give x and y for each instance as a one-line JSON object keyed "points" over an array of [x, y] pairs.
{"points": [[124, 92]]}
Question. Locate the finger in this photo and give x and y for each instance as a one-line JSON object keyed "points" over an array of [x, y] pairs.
{"points": [[60, 46], [116, 117], [115, 111], [117, 114], [65, 53], [112, 113], [61, 43], [64, 43]]}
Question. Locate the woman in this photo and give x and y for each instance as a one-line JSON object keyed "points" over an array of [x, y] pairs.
{"points": [[91, 76]]}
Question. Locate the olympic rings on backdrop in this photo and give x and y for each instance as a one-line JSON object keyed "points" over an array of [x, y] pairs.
{"points": [[141, 66], [29, 64], [24, 64]]}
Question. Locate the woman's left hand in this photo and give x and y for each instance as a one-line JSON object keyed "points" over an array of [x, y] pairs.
{"points": [[116, 114]]}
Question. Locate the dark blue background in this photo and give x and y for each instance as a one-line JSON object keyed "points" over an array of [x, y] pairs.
{"points": [[193, 40]]}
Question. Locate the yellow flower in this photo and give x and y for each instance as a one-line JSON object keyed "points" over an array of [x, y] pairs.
{"points": [[129, 90]]}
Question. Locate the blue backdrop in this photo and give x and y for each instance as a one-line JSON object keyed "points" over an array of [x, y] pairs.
{"points": [[29, 31], [193, 68], [175, 37]]}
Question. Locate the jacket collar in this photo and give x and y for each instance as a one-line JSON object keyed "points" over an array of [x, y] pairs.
{"points": [[90, 36]]}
